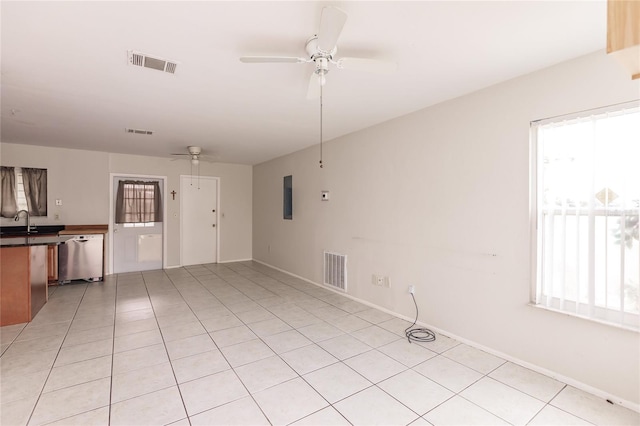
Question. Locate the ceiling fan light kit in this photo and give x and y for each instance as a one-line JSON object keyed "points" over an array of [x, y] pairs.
{"points": [[194, 153]]}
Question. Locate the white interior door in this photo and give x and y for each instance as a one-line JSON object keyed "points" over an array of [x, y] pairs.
{"points": [[198, 223], [136, 246]]}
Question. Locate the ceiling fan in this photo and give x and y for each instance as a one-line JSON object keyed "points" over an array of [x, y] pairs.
{"points": [[321, 50], [195, 154]]}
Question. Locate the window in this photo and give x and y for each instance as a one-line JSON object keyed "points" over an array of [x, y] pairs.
{"points": [[21, 198], [23, 188], [138, 203], [587, 203]]}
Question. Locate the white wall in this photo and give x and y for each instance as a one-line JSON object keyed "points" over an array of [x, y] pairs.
{"points": [[440, 199], [82, 180]]}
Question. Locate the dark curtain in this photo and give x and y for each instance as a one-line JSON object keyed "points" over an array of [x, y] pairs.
{"points": [[35, 190], [8, 204], [138, 202]]}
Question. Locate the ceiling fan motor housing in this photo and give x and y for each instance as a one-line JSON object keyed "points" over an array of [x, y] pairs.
{"points": [[315, 52]]}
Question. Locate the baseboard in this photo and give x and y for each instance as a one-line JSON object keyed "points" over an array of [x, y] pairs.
{"points": [[235, 261], [568, 380]]}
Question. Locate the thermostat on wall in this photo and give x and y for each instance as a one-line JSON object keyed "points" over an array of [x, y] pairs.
{"points": [[325, 195]]}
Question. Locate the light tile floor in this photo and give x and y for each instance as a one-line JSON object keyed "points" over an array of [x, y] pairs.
{"points": [[244, 344]]}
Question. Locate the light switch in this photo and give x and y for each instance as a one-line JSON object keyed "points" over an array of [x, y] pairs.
{"points": [[58, 202]]}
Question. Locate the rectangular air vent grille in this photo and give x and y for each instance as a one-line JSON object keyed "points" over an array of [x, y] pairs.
{"points": [[139, 131], [335, 270], [146, 61]]}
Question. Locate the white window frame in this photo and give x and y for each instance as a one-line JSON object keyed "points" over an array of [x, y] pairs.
{"points": [[596, 314]]}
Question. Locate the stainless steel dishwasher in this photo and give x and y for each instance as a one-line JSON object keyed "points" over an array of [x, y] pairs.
{"points": [[80, 258]]}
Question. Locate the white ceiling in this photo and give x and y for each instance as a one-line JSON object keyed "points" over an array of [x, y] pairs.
{"points": [[66, 81]]}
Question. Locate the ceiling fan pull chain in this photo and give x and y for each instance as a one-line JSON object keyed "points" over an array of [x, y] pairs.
{"points": [[320, 125]]}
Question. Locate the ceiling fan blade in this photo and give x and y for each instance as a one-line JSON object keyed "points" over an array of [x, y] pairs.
{"points": [[368, 65], [331, 24], [313, 91], [209, 158], [182, 154], [271, 59]]}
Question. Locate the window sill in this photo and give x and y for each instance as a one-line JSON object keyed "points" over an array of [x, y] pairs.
{"points": [[595, 320]]}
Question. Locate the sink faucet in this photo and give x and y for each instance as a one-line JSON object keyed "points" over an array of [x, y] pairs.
{"points": [[28, 219]]}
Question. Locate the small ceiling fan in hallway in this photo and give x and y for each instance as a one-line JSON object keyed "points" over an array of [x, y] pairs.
{"points": [[195, 156]]}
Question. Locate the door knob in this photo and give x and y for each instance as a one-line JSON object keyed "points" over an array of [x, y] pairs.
{"points": [[214, 225]]}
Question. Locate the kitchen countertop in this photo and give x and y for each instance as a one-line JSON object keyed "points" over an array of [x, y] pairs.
{"points": [[16, 236], [32, 241], [84, 229], [21, 231], [52, 230]]}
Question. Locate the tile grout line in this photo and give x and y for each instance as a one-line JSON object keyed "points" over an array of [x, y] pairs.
{"points": [[242, 284], [113, 346], [56, 357], [265, 343], [338, 361], [222, 353], [164, 343]]}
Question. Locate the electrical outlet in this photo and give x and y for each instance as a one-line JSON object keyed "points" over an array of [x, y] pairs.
{"points": [[380, 281], [412, 289], [56, 216]]}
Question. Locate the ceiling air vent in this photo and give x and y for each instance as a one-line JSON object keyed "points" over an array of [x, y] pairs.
{"points": [[144, 60], [139, 131]]}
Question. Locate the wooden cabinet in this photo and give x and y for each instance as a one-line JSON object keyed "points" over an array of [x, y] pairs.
{"points": [[623, 33], [23, 283], [15, 294]]}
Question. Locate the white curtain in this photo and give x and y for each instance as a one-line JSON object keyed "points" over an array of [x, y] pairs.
{"points": [[8, 204], [35, 190]]}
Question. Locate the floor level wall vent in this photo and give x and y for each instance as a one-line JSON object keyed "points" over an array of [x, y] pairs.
{"points": [[335, 270]]}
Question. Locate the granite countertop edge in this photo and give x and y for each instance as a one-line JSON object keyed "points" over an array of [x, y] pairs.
{"points": [[33, 241]]}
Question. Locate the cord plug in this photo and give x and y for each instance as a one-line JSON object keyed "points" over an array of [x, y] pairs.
{"points": [[412, 289]]}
